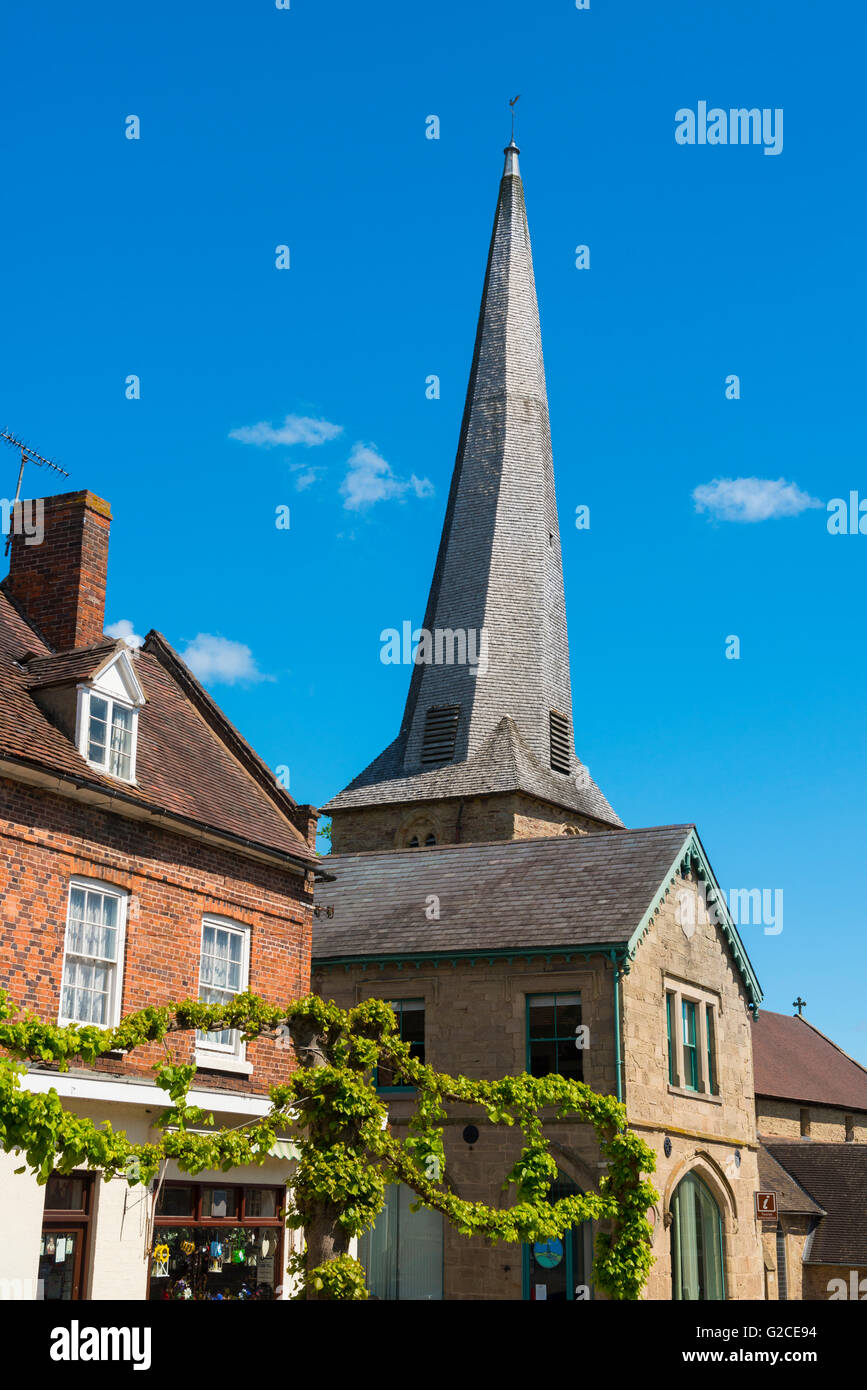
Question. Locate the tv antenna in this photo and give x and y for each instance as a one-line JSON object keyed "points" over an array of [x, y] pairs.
{"points": [[28, 455]]}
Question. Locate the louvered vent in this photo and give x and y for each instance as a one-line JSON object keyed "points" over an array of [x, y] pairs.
{"points": [[440, 733], [561, 760]]}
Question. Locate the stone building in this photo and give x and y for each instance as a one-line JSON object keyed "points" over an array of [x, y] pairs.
{"points": [[811, 1108], [146, 854], [482, 882]]}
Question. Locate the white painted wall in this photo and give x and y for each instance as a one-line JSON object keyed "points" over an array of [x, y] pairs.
{"points": [[21, 1204], [117, 1263]]}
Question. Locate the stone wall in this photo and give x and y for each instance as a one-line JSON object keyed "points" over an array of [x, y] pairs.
{"points": [[714, 1134], [507, 816], [781, 1119], [475, 1024]]}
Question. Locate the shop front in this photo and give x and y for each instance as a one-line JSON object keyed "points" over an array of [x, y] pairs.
{"points": [[214, 1243]]}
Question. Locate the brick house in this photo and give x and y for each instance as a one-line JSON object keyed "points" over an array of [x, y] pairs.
{"points": [[811, 1108], [483, 883], [147, 855]]}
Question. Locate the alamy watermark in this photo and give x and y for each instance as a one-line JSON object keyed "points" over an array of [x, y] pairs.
{"points": [[748, 907], [737, 126], [23, 518], [445, 646]]}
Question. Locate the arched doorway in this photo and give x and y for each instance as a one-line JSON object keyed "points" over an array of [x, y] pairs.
{"points": [[696, 1243], [558, 1271]]}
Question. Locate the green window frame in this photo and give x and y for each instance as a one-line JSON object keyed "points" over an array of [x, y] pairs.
{"points": [[690, 1046], [697, 1246], [411, 1029], [711, 1049], [552, 1022], [669, 1009]]}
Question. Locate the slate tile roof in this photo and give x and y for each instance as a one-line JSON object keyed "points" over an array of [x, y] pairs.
{"points": [[504, 764], [569, 891], [791, 1197], [793, 1061], [498, 569], [835, 1177], [191, 762]]}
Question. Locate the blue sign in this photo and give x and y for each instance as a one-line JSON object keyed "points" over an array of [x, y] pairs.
{"points": [[548, 1253]]}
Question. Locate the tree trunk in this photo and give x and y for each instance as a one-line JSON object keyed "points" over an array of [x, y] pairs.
{"points": [[326, 1239]]}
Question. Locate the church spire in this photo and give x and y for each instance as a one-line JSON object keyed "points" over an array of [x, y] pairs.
{"points": [[504, 721]]}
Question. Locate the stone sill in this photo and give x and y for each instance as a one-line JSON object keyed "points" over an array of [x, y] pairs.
{"points": [[215, 1061], [694, 1095]]}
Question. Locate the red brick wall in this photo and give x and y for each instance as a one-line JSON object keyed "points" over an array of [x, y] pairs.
{"points": [[60, 584], [172, 882]]}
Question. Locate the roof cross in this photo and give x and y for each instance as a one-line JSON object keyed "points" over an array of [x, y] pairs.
{"points": [[799, 1004]]}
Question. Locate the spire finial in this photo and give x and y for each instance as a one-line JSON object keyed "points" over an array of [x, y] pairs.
{"points": [[512, 109], [511, 151]]}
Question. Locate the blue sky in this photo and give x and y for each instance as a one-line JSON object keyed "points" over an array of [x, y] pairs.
{"points": [[263, 127]]}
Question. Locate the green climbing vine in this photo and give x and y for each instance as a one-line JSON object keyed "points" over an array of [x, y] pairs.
{"points": [[346, 1152]]}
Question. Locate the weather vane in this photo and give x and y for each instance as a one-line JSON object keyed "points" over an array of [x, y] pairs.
{"points": [[512, 108]]}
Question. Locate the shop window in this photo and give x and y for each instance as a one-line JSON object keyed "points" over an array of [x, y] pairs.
{"points": [[215, 1243]]}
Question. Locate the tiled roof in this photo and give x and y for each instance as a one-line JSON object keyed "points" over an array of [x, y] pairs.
{"points": [[62, 667], [835, 1176], [190, 762], [498, 570], [790, 1196], [515, 895], [792, 1060]]}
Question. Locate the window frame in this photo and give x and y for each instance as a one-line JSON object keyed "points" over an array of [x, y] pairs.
{"points": [[689, 1019], [233, 1055], [84, 716], [705, 1050], [417, 1000], [114, 1011], [78, 1221], [529, 999]]}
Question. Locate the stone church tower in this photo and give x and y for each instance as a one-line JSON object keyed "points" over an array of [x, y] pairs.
{"points": [[486, 748], [481, 883]]}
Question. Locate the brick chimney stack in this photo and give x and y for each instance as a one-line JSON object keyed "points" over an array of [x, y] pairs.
{"points": [[60, 584]]}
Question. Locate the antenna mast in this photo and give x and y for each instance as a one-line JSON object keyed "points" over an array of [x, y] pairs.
{"points": [[28, 455]]}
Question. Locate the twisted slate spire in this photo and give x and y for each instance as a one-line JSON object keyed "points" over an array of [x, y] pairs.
{"points": [[498, 570]]}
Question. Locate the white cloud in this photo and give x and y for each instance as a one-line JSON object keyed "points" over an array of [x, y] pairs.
{"points": [[220, 661], [124, 628], [295, 429], [306, 479], [370, 479], [752, 499]]}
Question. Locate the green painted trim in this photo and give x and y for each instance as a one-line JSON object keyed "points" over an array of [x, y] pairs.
{"points": [[618, 963], [669, 997], [419, 958], [690, 850]]}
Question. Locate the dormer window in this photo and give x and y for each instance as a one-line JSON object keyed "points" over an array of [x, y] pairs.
{"points": [[110, 736], [108, 709]]}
